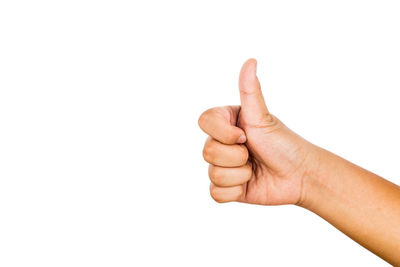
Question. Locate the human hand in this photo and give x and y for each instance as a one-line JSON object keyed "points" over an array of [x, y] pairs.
{"points": [[254, 158]]}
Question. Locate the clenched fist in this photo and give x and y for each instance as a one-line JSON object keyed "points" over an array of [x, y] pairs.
{"points": [[253, 156]]}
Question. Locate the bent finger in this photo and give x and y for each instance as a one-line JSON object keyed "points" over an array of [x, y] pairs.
{"points": [[226, 194], [223, 155], [220, 122], [225, 177]]}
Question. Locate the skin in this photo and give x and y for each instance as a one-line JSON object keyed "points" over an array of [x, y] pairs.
{"points": [[254, 158]]}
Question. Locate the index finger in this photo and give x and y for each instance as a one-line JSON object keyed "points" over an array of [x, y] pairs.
{"points": [[220, 122]]}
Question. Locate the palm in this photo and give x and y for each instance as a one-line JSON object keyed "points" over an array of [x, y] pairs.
{"points": [[276, 155]]}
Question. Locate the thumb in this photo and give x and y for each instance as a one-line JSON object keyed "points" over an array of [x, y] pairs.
{"points": [[254, 110]]}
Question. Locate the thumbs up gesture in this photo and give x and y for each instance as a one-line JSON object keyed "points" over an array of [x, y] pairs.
{"points": [[254, 158]]}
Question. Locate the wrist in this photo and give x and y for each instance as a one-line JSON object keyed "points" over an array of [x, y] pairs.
{"points": [[315, 183]]}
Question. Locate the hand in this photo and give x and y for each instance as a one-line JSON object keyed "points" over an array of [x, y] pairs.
{"points": [[254, 158]]}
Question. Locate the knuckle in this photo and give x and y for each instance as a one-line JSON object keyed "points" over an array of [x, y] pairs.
{"points": [[205, 117], [215, 175], [202, 119], [269, 121], [215, 195], [208, 153], [244, 154]]}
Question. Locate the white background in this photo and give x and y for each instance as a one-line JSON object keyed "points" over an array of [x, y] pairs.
{"points": [[100, 152]]}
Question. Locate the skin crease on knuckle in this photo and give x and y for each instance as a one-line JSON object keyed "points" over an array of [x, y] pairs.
{"points": [[214, 194], [207, 119], [225, 177], [219, 154], [204, 118], [212, 121], [225, 194], [207, 153]]}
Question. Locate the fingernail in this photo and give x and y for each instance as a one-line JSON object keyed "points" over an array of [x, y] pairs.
{"points": [[242, 139]]}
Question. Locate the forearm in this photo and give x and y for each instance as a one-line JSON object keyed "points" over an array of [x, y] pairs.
{"points": [[359, 203]]}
